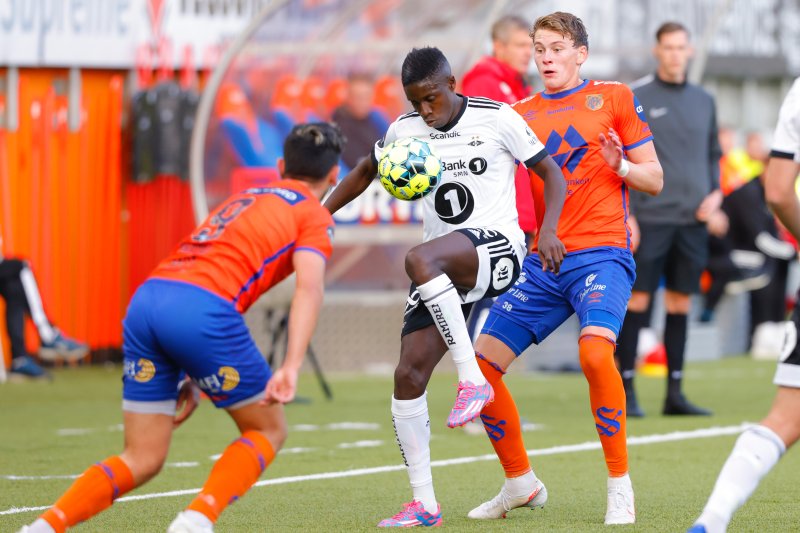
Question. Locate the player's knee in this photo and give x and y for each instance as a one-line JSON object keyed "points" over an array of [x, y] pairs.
{"points": [[409, 382], [597, 362], [277, 435], [785, 424], [592, 363], [419, 267], [144, 466]]}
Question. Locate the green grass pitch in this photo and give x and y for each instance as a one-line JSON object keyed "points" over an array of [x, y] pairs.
{"points": [[59, 428]]}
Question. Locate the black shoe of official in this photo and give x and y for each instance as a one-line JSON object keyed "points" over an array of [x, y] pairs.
{"points": [[632, 409], [679, 405]]}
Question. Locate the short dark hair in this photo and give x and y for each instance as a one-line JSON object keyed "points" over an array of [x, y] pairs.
{"points": [[311, 150], [670, 27], [565, 24], [423, 63]]}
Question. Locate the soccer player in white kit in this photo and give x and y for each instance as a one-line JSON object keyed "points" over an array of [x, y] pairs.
{"points": [[472, 248], [759, 447]]}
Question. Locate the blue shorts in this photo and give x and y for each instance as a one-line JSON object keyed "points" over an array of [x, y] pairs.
{"points": [[595, 284], [173, 327]]}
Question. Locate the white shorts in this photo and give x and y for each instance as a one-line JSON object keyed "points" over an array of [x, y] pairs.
{"points": [[499, 263], [788, 371]]}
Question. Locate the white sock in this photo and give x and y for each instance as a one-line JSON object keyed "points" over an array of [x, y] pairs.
{"points": [[621, 481], [756, 451], [46, 331], [41, 526], [412, 426], [444, 304], [521, 486]]}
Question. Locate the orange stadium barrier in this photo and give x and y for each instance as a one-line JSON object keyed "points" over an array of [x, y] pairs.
{"points": [[61, 200], [334, 97], [389, 96], [160, 216]]}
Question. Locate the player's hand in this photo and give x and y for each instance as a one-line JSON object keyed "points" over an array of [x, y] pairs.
{"points": [[281, 387], [636, 234], [709, 205], [551, 251], [718, 223], [188, 400], [611, 148]]}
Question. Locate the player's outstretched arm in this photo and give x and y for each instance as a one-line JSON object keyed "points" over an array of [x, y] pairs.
{"points": [[779, 186], [306, 303], [551, 249], [641, 171], [353, 184]]}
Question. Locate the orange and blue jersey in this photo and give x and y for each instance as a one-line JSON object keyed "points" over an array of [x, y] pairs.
{"points": [[247, 244], [596, 207]]}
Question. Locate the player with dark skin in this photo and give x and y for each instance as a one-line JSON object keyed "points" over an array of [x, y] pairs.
{"points": [[452, 254]]}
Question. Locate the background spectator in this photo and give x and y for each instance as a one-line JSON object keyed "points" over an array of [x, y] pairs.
{"points": [[672, 226], [20, 291], [358, 119]]}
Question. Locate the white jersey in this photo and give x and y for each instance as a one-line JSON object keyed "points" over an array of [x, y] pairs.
{"points": [[786, 142], [478, 150]]}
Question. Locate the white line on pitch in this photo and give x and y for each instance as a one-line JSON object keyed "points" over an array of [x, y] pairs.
{"points": [[716, 431]]}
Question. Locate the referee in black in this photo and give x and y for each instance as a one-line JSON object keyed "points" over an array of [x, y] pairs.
{"points": [[669, 233]]}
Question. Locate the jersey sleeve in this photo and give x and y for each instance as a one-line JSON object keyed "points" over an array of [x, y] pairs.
{"points": [[630, 121], [389, 137], [515, 134], [786, 141], [315, 232]]}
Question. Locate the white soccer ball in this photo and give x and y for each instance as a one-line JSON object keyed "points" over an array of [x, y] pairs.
{"points": [[409, 169]]}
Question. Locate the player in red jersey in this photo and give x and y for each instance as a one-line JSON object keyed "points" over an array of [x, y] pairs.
{"points": [[187, 318], [597, 134]]}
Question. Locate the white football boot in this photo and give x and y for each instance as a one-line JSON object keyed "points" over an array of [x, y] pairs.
{"points": [[501, 504], [621, 508], [184, 524]]}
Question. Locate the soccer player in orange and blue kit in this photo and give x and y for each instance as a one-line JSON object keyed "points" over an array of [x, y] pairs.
{"points": [[589, 128], [187, 317]]}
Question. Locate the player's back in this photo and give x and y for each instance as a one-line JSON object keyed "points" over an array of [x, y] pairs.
{"points": [[569, 123], [246, 245]]}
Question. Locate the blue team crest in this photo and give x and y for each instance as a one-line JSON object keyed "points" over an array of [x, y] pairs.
{"points": [[594, 101]]}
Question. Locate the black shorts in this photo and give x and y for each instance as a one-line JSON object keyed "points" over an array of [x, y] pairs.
{"points": [[679, 253], [788, 372], [499, 265]]}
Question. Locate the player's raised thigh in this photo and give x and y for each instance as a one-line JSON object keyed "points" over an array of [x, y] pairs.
{"points": [[452, 254]]}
